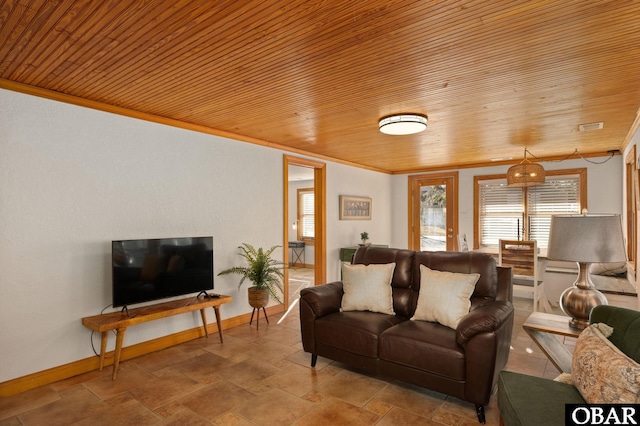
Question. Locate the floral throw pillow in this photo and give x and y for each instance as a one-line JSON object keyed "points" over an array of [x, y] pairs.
{"points": [[601, 372]]}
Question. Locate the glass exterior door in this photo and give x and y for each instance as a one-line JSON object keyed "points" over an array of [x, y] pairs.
{"points": [[433, 209]]}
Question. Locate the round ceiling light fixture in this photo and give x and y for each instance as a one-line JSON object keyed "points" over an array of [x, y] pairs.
{"points": [[403, 124]]}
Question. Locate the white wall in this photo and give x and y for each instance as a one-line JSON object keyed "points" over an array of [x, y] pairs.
{"points": [[604, 193], [345, 180], [73, 179]]}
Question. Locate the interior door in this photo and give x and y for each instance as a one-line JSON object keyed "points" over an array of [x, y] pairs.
{"points": [[319, 191], [433, 212]]}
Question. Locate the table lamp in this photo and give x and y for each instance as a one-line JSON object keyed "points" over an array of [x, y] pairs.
{"points": [[585, 239]]}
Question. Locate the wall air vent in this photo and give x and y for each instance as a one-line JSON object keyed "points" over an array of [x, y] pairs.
{"points": [[591, 126]]}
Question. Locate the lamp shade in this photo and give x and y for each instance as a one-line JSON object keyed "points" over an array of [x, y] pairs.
{"points": [[593, 238], [402, 124], [585, 240], [525, 174]]}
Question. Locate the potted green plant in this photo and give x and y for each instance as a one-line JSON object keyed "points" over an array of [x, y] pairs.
{"points": [[364, 236], [263, 271]]}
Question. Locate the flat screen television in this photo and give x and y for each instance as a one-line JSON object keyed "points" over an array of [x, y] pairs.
{"points": [[152, 269]]}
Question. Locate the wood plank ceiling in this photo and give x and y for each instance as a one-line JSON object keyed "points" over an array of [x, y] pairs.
{"points": [[314, 76]]}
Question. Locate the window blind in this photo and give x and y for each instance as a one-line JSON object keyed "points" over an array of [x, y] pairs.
{"points": [[306, 216], [558, 195], [503, 214]]}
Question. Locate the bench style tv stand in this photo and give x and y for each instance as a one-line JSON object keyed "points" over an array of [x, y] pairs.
{"points": [[119, 321]]}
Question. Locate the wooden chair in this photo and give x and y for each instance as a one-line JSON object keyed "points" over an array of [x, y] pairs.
{"points": [[522, 256]]}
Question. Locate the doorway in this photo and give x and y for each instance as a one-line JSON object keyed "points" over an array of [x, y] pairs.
{"points": [[312, 175], [433, 212]]}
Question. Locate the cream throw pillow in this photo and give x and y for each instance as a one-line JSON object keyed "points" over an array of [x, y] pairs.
{"points": [[445, 297], [601, 372], [368, 288]]}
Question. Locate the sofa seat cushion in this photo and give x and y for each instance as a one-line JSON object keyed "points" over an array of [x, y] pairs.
{"points": [[528, 400], [427, 346], [354, 331]]}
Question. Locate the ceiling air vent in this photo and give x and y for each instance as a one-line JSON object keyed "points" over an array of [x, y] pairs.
{"points": [[591, 126]]}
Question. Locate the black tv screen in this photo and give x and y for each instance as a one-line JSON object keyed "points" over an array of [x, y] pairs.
{"points": [[152, 269]]}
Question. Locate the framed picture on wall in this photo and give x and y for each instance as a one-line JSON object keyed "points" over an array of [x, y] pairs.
{"points": [[355, 208]]}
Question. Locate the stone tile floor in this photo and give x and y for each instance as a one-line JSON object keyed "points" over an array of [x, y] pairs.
{"points": [[257, 377]]}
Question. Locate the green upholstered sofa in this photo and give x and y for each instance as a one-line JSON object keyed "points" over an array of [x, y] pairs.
{"points": [[528, 400]]}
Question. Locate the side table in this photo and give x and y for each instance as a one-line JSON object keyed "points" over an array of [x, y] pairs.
{"points": [[544, 328], [297, 252]]}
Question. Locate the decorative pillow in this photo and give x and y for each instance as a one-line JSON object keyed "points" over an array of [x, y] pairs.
{"points": [[615, 268], [564, 378], [601, 372], [368, 288], [444, 296]]}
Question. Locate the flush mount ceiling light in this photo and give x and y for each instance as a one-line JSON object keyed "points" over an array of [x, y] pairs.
{"points": [[403, 124], [525, 174]]}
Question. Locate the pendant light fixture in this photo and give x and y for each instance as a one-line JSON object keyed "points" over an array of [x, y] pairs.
{"points": [[526, 173]]}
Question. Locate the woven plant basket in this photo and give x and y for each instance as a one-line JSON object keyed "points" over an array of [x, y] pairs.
{"points": [[258, 298]]}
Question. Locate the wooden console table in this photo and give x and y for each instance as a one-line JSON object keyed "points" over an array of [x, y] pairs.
{"points": [[544, 328], [119, 321]]}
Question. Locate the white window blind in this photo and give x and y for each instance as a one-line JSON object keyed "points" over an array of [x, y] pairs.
{"points": [[558, 195], [503, 214], [306, 217]]}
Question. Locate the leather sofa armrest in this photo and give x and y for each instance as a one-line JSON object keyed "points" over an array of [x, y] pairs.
{"points": [[323, 299], [316, 302], [488, 317]]}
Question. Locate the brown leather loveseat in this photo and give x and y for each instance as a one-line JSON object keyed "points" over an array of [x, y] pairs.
{"points": [[462, 362]]}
